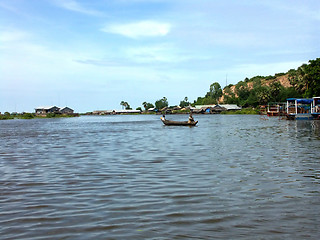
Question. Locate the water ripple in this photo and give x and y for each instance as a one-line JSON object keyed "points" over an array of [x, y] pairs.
{"points": [[130, 177]]}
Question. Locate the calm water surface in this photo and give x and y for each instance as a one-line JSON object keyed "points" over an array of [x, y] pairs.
{"points": [[130, 177]]}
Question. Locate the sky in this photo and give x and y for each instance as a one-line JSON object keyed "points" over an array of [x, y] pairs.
{"points": [[92, 54]]}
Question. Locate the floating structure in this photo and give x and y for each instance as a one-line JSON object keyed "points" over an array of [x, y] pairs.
{"points": [[276, 109], [299, 108], [315, 110]]}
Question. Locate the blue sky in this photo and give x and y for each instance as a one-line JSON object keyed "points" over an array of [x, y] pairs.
{"points": [[93, 54]]}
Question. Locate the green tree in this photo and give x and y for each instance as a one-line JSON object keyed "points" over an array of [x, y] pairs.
{"points": [[242, 90], [306, 79], [199, 101], [275, 91], [215, 91], [297, 78], [147, 105], [312, 78], [125, 105], [161, 103], [263, 95], [184, 102]]}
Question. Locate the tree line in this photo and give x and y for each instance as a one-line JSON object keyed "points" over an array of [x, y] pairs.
{"points": [[259, 90]]}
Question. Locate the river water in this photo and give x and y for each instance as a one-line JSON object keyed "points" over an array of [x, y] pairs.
{"points": [[130, 177]]}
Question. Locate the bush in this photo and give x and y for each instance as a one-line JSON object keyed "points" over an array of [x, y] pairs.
{"points": [[27, 116], [6, 117], [242, 111], [53, 115]]}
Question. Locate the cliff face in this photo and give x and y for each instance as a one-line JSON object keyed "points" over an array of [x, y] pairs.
{"points": [[283, 80]]}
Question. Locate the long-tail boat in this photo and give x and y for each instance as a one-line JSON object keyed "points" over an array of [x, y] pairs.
{"points": [[178, 123]]}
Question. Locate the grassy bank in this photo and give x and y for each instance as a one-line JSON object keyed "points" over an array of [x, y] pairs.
{"points": [[242, 111], [8, 116]]}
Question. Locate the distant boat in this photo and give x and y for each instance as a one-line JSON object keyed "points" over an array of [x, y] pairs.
{"points": [[178, 123]]}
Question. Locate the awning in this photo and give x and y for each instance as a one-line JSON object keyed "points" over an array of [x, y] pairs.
{"points": [[304, 101]]}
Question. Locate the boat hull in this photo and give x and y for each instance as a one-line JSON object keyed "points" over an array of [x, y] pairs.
{"points": [[316, 116], [178, 123], [299, 116], [272, 114]]}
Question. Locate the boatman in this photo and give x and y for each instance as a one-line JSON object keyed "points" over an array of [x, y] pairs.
{"points": [[190, 118]]}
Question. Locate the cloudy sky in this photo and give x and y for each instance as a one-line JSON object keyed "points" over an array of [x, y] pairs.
{"points": [[93, 54]]}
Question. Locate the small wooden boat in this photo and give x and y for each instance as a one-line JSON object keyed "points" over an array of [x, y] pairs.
{"points": [[178, 123]]}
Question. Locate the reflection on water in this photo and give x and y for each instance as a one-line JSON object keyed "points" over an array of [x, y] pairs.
{"points": [[130, 177]]}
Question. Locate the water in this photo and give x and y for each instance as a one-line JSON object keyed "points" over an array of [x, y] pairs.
{"points": [[130, 177]]}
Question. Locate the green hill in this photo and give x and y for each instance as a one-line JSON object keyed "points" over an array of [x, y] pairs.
{"points": [[259, 90]]}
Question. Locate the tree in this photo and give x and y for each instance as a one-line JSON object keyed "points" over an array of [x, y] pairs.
{"points": [[147, 105], [215, 91], [184, 102], [144, 104], [263, 95], [306, 79], [242, 90], [125, 105], [161, 103], [275, 92], [312, 78], [297, 78]]}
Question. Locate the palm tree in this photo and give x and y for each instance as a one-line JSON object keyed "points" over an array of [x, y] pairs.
{"points": [[144, 104], [123, 104]]}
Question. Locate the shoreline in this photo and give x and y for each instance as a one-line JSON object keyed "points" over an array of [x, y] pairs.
{"points": [[8, 116]]}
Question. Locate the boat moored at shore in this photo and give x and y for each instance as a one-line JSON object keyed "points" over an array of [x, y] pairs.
{"points": [[315, 110], [276, 109], [299, 109]]}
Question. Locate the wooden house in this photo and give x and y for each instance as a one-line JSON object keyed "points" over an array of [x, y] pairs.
{"points": [[66, 110], [46, 110]]}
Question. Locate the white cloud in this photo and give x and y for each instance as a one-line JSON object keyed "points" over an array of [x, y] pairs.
{"points": [[73, 5], [12, 35], [157, 53], [139, 29]]}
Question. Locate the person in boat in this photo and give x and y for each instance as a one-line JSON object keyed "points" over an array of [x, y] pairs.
{"points": [[164, 116], [190, 118]]}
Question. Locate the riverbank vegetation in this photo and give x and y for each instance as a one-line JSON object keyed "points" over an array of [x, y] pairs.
{"points": [[303, 82], [8, 116], [248, 110], [250, 93]]}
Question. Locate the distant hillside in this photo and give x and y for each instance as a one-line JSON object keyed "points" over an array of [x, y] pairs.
{"points": [[259, 90]]}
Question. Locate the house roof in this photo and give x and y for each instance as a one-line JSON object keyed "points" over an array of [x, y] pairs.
{"points": [[204, 106], [226, 106], [230, 106], [127, 111], [46, 108], [65, 108]]}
